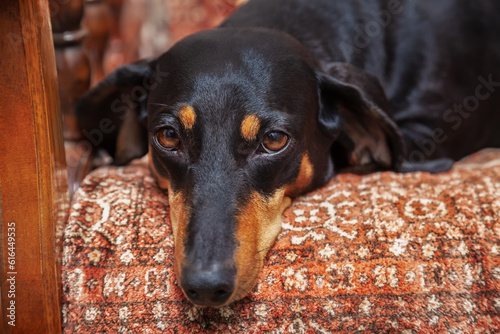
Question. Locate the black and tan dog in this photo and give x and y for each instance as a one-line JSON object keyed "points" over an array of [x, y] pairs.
{"points": [[242, 118]]}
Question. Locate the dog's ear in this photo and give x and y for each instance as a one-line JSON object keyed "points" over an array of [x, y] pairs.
{"points": [[355, 109], [113, 114]]}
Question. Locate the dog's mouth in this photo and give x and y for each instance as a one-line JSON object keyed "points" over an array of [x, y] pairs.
{"points": [[222, 282]]}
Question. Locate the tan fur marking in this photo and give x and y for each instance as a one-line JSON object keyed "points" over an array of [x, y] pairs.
{"points": [[259, 223], [179, 216], [250, 127], [187, 115], [304, 178], [163, 183]]}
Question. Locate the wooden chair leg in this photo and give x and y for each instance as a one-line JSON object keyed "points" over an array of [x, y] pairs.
{"points": [[33, 183]]}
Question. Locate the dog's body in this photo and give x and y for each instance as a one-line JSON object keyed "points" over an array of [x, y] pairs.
{"points": [[244, 117], [428, 56]]}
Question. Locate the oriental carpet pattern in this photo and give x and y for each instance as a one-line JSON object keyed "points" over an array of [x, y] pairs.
{"points": [[381, 253]]}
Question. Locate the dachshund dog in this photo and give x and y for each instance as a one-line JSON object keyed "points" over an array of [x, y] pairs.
{"points": [[240, 119]]}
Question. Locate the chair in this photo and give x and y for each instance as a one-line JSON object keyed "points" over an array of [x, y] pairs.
{"points": [[33, 184]]}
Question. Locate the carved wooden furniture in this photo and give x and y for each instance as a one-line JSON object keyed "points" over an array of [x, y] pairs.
{"points": [[33, 189]]}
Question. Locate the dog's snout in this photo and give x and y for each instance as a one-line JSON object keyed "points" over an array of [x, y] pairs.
{"points": [[209, 286]]}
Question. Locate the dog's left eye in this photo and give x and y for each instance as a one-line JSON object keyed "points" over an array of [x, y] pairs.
{"points": [[168, 138], [275, 141]]}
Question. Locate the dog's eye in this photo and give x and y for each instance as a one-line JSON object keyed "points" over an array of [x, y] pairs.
{"points": [[274, 141], [168, 138]]}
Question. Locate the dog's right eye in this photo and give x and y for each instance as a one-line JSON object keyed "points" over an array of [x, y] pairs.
{"points": [[168, 138]]}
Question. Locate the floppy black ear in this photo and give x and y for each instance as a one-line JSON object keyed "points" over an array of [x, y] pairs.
{"points": [[113, 114], [355, 109]]}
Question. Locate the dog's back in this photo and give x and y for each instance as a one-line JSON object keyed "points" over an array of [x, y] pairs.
{"points": [[439, 62]]}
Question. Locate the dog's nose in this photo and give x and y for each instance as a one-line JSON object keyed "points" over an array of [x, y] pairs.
{"points": [[210, 286]]}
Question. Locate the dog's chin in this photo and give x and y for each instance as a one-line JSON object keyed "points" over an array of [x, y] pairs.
{"points": [[246, 286], [234, 298]]}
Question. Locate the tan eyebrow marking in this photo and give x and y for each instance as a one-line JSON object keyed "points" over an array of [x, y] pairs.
{"points": [[250, 127], [187, 115]]}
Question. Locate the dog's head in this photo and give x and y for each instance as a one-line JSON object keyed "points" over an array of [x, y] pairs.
{"points": [[239, 121]]}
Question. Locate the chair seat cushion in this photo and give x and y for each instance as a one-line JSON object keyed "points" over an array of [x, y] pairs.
{"points": [[384, 252]]}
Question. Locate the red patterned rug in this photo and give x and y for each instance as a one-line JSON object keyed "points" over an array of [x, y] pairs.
{"points": [[386, 252]]}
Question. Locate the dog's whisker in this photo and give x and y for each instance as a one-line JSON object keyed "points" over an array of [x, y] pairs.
{"points": [[264, 250], [179, 239], [157, 104]]}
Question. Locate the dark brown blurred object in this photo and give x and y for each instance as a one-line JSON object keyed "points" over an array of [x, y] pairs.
{"points": [[66, 15], [74, 74], [73, 69], [98, 20]]}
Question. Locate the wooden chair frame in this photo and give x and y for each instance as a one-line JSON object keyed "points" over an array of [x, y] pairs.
{"points": [[33, 183]]}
